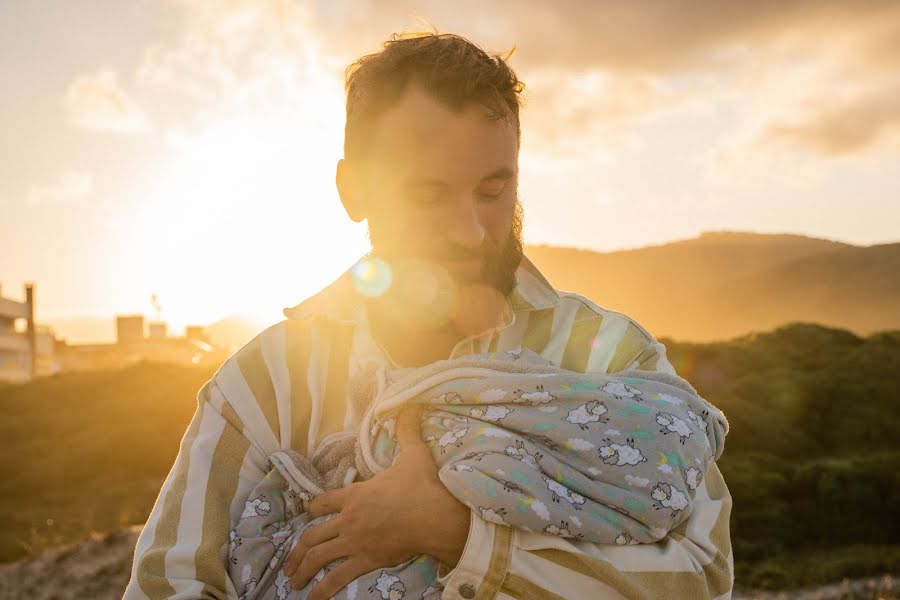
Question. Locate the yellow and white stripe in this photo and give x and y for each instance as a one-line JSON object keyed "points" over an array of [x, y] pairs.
{"points": [[290, 387]]}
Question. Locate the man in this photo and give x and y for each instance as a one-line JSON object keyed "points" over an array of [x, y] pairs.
{"points": [[431, 162]]}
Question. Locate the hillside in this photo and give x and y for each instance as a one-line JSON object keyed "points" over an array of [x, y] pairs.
{"points": [[89, 451], [811, 458], [722, 285]]}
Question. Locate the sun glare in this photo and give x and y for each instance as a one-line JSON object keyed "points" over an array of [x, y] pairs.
{"points": [[246, 218]]}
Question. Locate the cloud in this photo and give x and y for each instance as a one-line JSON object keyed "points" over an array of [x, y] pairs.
{"points": [[602, 107], [96, 101], [492, 395], [495, 432], [72, 187], [579, 444], [541, 510], [637, 481], [847, 128], [653, 37], [596, 72], [243, 56]]}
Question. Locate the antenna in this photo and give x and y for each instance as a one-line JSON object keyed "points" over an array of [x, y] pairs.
{"points": [[154, 300]]}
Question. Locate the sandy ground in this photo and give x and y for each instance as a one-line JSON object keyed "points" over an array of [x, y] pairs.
{"points": [[99, 568], [872, 588]]}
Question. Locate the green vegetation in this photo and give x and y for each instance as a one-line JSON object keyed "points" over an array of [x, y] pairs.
{"points": [[811, 460]]}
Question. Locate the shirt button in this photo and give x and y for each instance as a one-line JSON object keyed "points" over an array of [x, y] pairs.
{"points": [[466, 591]]}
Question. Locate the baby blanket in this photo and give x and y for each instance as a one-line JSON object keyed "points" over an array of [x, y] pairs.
{"points": [[605, 458]]}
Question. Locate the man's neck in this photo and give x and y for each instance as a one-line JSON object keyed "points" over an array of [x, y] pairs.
{"points": [[409, 347]]}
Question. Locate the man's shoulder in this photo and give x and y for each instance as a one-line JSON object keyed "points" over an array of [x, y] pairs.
{"points": [[255, 368], [280, 353], [586, 309], [616, 340], [259, 380]]}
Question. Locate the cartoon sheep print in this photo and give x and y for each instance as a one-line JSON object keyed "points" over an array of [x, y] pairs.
{"points": [[610, 459], [562, 530], [539, 396], [621, 455], [621, 390], [672, 424], [590, 412], [559, 491], [255, 508], [490, 413], [666, 496], [520, 453], [692, 477], [389, 586]]}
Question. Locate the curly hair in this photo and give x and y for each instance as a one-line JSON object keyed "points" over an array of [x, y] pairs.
{"points": [[452, 69]]}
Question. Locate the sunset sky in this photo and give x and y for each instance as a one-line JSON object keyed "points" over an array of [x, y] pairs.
{"points": [[187, 147]]}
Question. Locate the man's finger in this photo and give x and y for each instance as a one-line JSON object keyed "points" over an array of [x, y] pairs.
{"points": [[315, 535], [338, 579], [316, 558], [409, 425], [329, 502]]}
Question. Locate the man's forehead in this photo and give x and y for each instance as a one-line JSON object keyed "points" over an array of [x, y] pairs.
{"points": [[420, 137]]}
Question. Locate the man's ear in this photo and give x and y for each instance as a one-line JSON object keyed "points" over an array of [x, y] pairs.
{"points": [[346, 178]]}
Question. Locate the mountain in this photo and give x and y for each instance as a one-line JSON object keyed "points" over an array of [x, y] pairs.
{"points": [[716, 286], [233, 331], [725, 284]]}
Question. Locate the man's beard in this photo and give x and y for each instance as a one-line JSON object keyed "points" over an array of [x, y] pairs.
{"points": [[500, 265], [423, 293]]}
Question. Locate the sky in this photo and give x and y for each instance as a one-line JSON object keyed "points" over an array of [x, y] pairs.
{"points": [[186, 148]]}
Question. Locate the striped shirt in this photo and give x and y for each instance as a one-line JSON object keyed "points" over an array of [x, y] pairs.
{"points": [[293, 385]]}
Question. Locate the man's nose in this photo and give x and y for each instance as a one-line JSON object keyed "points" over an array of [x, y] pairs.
{"points": [[465, 228]]}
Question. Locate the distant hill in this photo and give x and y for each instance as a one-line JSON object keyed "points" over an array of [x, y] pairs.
{"points": [[233, 331], [712, 287], [725, 284]]}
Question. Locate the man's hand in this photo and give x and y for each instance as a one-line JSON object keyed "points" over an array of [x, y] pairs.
{"points": [[403, 511]]}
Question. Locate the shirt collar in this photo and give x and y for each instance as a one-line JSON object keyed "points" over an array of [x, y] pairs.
{"points": [[341, 302]]}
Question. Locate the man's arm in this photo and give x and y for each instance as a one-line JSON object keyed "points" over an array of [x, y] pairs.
{"points": [[692, 561], [181, 551]]}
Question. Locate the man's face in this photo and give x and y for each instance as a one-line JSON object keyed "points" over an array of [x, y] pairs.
{"points": [[441, 187]]}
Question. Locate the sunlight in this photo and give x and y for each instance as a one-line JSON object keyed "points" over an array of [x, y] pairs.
{"points": [[246, 218]]}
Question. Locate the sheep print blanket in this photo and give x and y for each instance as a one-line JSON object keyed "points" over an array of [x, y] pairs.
{"points": [[605, 458]]}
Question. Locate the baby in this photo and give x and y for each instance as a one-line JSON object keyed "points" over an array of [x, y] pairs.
{"points": [[610, 459]]}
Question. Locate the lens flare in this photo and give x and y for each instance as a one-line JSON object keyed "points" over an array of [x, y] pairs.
{"points": [[372, 277]]}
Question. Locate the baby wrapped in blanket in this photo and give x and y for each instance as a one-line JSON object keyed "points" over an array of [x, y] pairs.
{"points": [[605, 458]]}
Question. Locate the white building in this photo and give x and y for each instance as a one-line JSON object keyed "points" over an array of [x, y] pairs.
{"points": [[26, 350]]}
